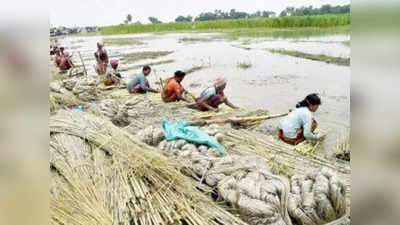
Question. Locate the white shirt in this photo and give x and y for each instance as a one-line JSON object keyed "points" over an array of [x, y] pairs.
{"points": [[299, 118]]}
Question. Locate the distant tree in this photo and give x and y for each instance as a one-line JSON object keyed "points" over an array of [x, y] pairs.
{"points": [[154, 20], [184, 19], [128, 18], [268, 14], [324, 9]]}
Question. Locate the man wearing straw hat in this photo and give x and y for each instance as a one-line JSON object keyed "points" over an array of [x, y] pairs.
{"points": [[212, 97]]}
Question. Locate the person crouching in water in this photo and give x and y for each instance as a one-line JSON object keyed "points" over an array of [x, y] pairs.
{"points": [[65, 63], [113, 77], [173, 90], [101, 59], [212, 97], [140, 84], [299, 124]]}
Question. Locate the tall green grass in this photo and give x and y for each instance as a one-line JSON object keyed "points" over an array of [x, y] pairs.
{"points": [[277, 22]]}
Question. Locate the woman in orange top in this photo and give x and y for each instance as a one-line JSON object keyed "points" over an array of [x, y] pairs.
{"points": [[173, 90]]}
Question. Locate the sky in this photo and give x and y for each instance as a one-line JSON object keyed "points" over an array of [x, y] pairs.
{"points": [[110, 12]]}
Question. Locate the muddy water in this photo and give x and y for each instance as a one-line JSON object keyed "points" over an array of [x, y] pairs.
{"points": [[275, 82]]}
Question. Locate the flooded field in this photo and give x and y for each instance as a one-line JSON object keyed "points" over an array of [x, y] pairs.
{"points": [[257, 78]]}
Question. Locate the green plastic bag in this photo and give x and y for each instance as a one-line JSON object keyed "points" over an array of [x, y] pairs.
{"points": [[182, 130]]}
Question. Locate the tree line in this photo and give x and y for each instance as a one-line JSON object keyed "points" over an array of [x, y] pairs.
{"points": [[233, 14]]}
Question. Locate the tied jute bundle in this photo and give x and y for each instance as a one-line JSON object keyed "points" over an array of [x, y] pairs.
{"points": [[117, 112], [246, 183], [86, 89], [103, 175], [317, 198]]}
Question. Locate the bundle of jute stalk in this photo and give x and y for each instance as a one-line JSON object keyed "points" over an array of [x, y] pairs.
{"points": [[59, 101], [104, 175], [343, 147]]}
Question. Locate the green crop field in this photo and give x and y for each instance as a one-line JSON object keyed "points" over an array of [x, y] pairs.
{"points": [[322, 21]]}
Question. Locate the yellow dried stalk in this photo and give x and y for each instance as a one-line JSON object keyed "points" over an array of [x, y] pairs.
{"points": [[139, 182]]}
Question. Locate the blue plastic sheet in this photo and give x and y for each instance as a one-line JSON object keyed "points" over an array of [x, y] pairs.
{"points": [[182, 130]]}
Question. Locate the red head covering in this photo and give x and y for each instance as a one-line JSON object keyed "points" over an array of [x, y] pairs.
{"points": [[220, 81]]}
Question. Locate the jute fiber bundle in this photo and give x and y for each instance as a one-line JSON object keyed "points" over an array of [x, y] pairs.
{"points": [[103, 175], [317, 198], [86, 89], [60, 101]]}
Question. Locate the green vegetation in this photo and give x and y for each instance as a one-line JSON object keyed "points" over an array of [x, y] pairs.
{"points": [[276, 22], [244, 65], [320, 57], [136, 56], [289, 11], [347, 43], [325, 9], [286, 32], [123, 41], [280, 169], [194, 69], [148, 64], [186, 39]]}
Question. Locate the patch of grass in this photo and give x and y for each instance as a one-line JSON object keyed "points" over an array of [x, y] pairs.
{"points": [[242, 47], [123, 41], [148, 64], [244, 65], [194, 69], [87, 34], [246, 42], [290, 33], [193, 85], [280, 169], [191, 40], [276, 22], [319, 57], [136, 56], [347, 43]]}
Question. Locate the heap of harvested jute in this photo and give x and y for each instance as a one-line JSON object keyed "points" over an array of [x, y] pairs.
{"points": [[66, 100], [317, 198], [117, 112], [245, 181], [86, 89], [56, 86], [103, 175], [70, 83]]}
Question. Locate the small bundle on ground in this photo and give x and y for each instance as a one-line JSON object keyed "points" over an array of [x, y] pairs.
{"points": [[86, 89], [62, 101], [70, 83], [117, 112]]}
